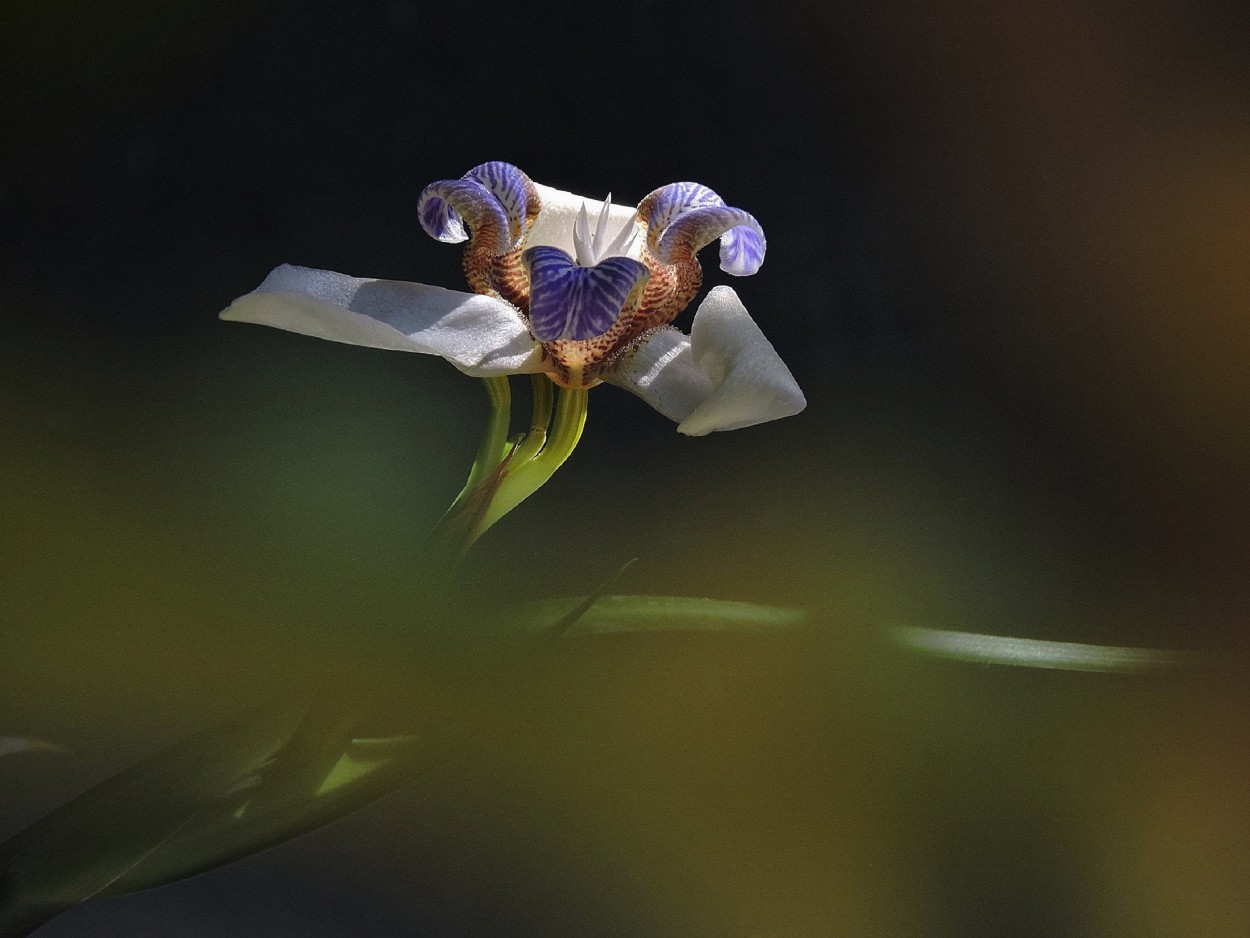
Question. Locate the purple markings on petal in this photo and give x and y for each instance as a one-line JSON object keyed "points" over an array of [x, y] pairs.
{"points": [[666, 203], [742, 238], [445, 206], [742, 249], [686, 216], [440, 221], [509, 186], [572, 302]]}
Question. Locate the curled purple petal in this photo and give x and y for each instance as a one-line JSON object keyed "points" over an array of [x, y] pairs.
{"points": [[661, 207], [445, 206], [742, 238], [742, 248], [684, 217], [572, 302], [511, 187], [440, 221]]}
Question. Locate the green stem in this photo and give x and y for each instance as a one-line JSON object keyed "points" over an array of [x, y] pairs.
{"points": [[524, 479], [543, 393], [504, 475], [455, 531], [495, 440]]}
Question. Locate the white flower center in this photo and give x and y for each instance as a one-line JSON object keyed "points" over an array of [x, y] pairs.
{"points": [[592, 248]]}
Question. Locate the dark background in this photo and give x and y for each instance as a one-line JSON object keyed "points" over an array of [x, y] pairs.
{"points": [[1008, 265]]}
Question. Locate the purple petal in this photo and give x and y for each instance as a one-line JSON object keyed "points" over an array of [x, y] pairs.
{"points": [[510, 187], [445, 206], [742, 248], [440, 221], [666, 203], [684, 217], [571, 302], [742, 238]]}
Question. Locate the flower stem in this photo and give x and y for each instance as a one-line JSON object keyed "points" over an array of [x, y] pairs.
{"points": [[543, 393], [456, 530], [495, 440], [505, 474], [523, 479]]}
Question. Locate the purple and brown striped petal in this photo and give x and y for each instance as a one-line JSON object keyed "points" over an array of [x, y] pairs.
{"points": [[684, 217], [499, 204], [515, 192], [448, 205], [577, 303]]}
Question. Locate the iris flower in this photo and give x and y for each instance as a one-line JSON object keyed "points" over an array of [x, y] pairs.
{"points": [[554, 293]]}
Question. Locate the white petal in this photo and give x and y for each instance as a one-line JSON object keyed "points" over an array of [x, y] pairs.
{"points": [[582, 246], [480, 335], [662, 372], [752, 384], [725, 376], [601, 224], [554, 225]]}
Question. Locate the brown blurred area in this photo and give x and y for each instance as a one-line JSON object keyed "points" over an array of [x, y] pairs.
{"points": [[1078, 175]]}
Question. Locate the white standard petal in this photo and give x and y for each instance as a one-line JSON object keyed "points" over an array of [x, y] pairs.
{"points": [[663, 373], [555, 223], [725, 376], [481, 335]]}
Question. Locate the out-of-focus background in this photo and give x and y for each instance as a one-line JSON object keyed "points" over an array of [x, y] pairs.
{"points": [[1008, 263]]}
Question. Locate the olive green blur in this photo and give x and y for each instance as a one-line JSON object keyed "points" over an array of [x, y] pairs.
{"points": [[1007, 264]]}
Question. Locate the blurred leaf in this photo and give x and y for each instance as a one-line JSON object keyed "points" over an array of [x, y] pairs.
{"points": [[217, 797], [323, 773], [12, 745], [275, 774], [363, 757], [570, 619], [86, 845], [623, 614], [1038, 653], [250, 822], [313, 750]]}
